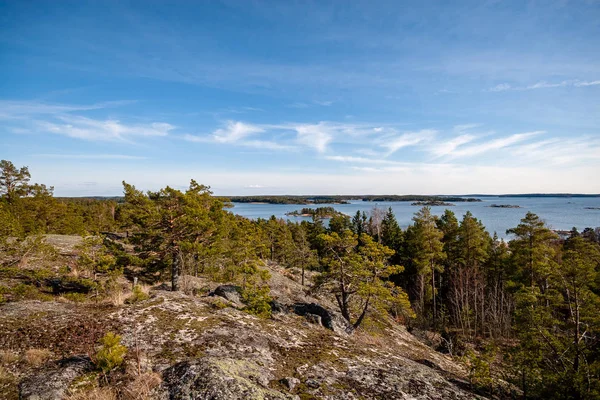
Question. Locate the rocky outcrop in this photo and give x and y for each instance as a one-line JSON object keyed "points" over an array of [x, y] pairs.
{"points": [[53, 383], [229, 292], [327, 318], [217, 379], [207, 347]]}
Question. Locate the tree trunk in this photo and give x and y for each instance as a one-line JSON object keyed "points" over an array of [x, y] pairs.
{"points": [[362, 315], [175, 271], [433, 293]]}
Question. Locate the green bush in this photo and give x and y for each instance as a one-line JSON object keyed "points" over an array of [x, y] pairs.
{"points": [[76, 297], [111, 353], [257, 300], [137, 295]]}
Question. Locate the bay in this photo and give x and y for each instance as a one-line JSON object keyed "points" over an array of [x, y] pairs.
{"points": [[559, 213]]}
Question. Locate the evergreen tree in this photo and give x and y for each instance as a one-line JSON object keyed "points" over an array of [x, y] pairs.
{"points": [[428, 256], [468, 280], [339, 223], [357, 276], [14, 182], [170, 223]]}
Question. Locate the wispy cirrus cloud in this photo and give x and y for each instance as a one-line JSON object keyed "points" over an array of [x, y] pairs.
{"points": [[584, 150], [318, 136], [15, 109], [33, 117], [455, 148], [102, 130], [503, 87], [361, 160], [92, 156], [237, 133], [394, 144]]}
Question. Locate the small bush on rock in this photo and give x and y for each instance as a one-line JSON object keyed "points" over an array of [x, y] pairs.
{"points": [[138, 295], [111, 353]]}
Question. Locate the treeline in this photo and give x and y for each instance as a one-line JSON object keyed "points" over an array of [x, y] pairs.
{"points": [[287, 199], [526, 310], [340, 199]]}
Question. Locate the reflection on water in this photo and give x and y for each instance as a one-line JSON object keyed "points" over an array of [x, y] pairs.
{"points": [[561, 213]]}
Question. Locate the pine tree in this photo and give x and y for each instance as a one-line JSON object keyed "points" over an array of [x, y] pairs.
{"points": [[427, 255], [357, 275], [14, 182], [169, 223]]}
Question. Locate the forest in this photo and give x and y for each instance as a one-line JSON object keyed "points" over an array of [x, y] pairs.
{"points": [[523, 311]]}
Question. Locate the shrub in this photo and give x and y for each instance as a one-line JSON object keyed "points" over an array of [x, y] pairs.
{"points": [[111, 353], [95, 257], [76, 297], [257, 300], [139, 294]]}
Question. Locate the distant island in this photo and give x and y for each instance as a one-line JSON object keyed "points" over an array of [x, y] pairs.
{"points": [[283, 199], [419, 198], [592, 208], [585, 195], [319, 212], [340, 199], [432, 203], [504, 206]]}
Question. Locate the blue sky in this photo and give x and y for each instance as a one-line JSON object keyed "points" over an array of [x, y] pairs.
{"points": [[301, 97]]}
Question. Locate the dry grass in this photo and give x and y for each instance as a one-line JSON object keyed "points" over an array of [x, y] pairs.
{"points": [[368, 340], [37, 357], [117, 296], [8, 384], [8, 357], [141, 387], [105, 393]]}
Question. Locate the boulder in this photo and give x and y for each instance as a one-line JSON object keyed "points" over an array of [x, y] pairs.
{"points": [[329, 319], [53, 383], [290, 382], [229, 292], [279, 308], [208, 378]]}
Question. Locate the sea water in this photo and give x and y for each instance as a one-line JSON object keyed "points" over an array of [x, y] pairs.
{"points": [[559, 213]]}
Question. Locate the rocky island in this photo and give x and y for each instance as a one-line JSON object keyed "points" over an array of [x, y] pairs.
{"points": [[504, 206], [432, 203], [319, 212]]}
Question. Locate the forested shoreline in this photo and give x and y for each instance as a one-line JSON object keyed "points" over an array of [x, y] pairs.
{"points": [[523, 311]]}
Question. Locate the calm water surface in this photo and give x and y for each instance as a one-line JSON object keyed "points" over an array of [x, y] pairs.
{"points": [[558, 212]]}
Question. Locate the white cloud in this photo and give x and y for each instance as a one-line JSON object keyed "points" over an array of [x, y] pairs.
{"points": [[235, 131], [316, 136], [500, 88], [102, 130], [360, 160], [543, 85], [92, 156], [448, 147], [495, 144], [11, 109], [408, 139], [585, 151], [591, 83]]}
